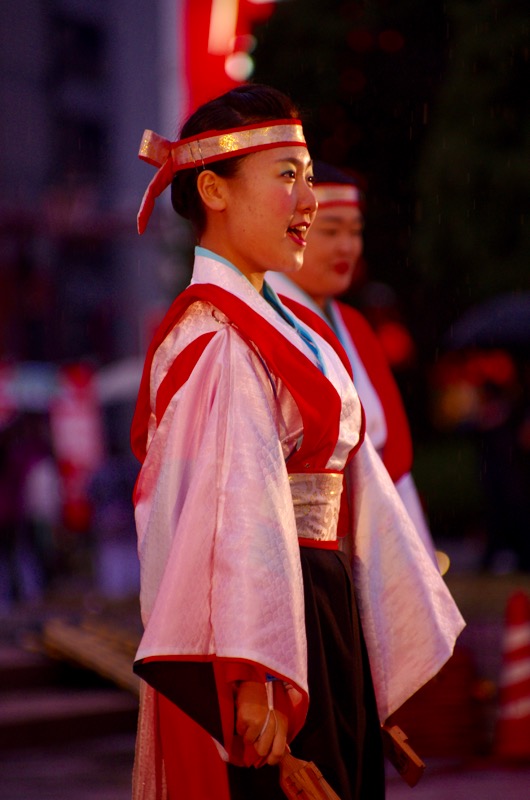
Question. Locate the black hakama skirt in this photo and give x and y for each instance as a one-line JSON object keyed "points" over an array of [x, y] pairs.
{"points": [[342, 732]]}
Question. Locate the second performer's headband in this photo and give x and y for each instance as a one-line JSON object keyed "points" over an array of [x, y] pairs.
{"points": [[337, 194], [198, 151]]}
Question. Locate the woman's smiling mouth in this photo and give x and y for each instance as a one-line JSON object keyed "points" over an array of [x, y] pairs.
{"points": [[298, 232]]}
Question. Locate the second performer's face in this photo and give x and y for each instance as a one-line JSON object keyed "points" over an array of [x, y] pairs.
{"points": [[271, 205], [334, 247]]}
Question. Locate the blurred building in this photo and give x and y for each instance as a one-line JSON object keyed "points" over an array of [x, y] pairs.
{"points": [[79, 82]]}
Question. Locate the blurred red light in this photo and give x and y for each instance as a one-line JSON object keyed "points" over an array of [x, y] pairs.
{"points": [[360, 40], [391, 41]]}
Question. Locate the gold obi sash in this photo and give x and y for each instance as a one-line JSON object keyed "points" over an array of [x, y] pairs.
{"points": [[316, 502]]}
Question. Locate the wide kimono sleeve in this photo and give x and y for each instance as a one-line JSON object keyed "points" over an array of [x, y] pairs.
{"points": [[220, 567], [397, 451], [410, 621]]}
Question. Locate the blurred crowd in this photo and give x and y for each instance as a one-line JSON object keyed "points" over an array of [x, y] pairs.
{"points": [[46, 542], [485, 395]]}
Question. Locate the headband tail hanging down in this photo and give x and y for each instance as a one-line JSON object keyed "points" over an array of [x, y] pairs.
{"points": [[158, 184]]}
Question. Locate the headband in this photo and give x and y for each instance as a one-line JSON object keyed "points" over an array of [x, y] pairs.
{"points": [[337, 194], [197, 151]]}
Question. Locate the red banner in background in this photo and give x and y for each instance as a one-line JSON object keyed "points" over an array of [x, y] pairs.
{"points": [[218, 45], [78, 442]]}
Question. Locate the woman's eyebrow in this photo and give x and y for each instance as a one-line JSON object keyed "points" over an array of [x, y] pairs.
{"points": [[295, 160]]}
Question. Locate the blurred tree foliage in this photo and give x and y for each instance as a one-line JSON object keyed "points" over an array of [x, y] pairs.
{"points": [[473, 233], [429, 103]]}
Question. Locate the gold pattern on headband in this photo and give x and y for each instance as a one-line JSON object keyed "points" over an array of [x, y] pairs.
{"points": [[154, 148], [200, 151], [337, 194], [228, 143]]}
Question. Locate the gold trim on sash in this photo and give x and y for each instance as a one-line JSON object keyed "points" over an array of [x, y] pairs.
{"points": [[316, 502]]}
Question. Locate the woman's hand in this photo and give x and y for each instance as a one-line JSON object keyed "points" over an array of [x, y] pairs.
{"points": [[266, 732]]}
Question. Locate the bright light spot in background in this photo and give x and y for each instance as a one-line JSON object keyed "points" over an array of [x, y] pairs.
{"points": [[239, 66], [444, 562], [223, 21]]}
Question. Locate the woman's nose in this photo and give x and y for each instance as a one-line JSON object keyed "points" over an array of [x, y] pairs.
{"points": [[350, 244], [307, 200]]}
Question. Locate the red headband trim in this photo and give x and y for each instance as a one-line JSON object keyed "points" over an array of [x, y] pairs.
{"points": [[337, 194]]}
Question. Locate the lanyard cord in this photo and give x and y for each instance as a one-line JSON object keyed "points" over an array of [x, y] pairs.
{"points": [[271, 297]]}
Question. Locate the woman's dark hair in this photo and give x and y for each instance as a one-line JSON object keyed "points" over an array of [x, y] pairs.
{"points": [[244, 105], [326, 173]]}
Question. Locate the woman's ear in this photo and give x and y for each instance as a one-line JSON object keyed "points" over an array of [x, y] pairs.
{"points": [[211, 190]]}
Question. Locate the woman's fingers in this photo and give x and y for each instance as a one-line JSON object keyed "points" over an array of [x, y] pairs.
{"points": [[272, 743], [260, 726], [279, 741], [264, 741], [252, 710]]}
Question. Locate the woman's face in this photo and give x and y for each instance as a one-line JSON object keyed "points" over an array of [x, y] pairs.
{"points": [[270, 205], [334, 247]]}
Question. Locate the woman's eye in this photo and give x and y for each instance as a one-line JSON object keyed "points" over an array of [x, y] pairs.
{"points": [[311, 180], [289, 173]]}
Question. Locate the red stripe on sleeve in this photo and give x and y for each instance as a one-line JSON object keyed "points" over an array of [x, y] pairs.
{"points": [[179, 372]]}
